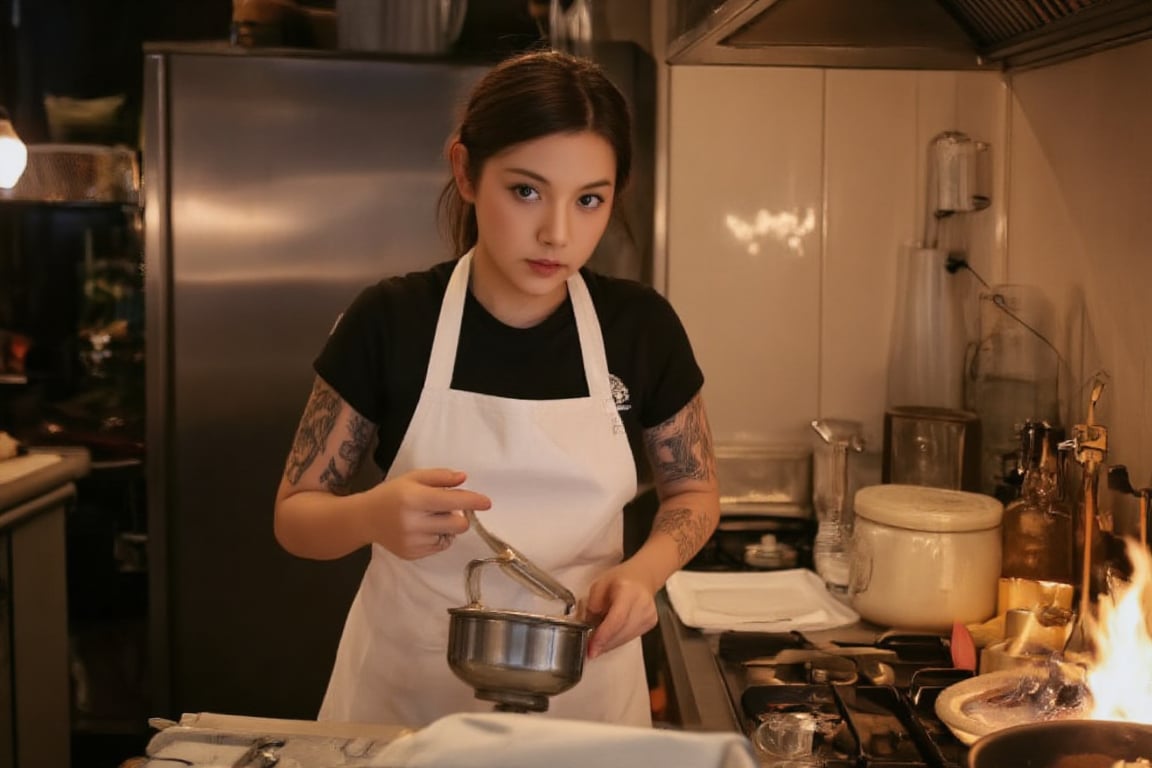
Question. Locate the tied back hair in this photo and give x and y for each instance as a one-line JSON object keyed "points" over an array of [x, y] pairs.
{"points": [[528, 97]]}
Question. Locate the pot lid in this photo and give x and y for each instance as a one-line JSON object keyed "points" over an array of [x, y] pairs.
{"points": [[921, 508]]}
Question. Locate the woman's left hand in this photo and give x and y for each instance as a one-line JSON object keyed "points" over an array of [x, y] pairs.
{"points": [[627, 605]]}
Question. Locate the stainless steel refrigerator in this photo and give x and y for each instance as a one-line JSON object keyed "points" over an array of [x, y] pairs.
{"points": [[277, 186]]}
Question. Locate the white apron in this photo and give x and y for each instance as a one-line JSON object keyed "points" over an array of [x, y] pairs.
{"points": [[559, 473]]}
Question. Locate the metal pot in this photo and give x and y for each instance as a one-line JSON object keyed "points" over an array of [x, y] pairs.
{"points": [[516, 659], [409, 27], [1054, 744]]}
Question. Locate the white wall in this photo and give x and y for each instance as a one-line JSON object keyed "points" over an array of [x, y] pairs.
{"points": [[793, 324], [1080, 227]]}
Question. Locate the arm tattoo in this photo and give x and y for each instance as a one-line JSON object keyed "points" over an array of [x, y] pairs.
{"points": [[315, 427], [685, 527], [681, 447], [351, 451]]}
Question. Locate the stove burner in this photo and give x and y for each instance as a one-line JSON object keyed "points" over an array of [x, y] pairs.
{"points": [[859, 723]]}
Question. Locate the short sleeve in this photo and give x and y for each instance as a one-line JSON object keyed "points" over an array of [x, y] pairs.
{"points": [[352, 359], [671, 371]]}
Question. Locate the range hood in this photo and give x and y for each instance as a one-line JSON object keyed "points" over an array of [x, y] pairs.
{"points": [[902, 34]]}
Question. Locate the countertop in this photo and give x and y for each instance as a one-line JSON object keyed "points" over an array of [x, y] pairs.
{"points": [[15, 493], [702, 700]]}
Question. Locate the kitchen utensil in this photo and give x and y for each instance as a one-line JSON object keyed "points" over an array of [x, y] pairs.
{"points": [[1118, 481], [408, 27], [1088, 743], [963, 648], [1038, 525], [833, 514], [927, 343], [958, 173], [757, 477], [1012, 375], [932, 446], [1089, 446], [514, 658], [516, 566], [923, 558], [756, 601], [966, 709]]}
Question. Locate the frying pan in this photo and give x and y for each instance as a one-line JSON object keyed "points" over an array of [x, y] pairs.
{"points": [[1063, 744]]}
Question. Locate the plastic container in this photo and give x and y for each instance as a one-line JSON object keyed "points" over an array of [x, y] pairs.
{"points": [[926, 351], [757, 476], [924, 558]]}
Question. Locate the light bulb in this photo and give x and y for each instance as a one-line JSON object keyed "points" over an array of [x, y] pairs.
{"points": [[13, 153]]}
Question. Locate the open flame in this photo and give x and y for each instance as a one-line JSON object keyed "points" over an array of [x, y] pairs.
{"points": [[1119, 675]]}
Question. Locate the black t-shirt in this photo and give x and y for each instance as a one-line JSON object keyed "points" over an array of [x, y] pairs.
{"points": [[377, 356]]}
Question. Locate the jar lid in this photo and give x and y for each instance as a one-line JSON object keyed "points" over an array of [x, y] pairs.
{"points": [[920, 508]]}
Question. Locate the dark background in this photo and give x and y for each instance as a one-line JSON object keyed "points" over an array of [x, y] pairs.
{"points": [[92, 49]]}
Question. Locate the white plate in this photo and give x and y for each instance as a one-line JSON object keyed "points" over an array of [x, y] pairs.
{"points": [[763, 601], [966, 723]]}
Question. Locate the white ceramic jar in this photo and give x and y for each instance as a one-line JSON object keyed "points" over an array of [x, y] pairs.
{"points": [[924, 558]]}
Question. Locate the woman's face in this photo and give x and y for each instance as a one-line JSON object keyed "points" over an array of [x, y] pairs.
{"points": [[541, 208]]}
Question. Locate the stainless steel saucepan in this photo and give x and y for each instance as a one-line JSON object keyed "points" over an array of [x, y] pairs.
{"points": [[513, 658]]}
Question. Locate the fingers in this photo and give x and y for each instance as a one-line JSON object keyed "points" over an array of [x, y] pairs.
{"points": [[447, 523], [438, 491], [438, 477], [628, 611]]}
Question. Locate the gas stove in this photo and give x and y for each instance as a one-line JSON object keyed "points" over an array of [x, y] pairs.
{"points": [[870, 704]]}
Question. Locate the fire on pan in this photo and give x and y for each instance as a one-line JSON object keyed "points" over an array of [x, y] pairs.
{"points": [[1093, 710]]}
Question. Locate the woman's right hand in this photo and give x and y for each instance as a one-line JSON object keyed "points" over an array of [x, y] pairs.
{"points": [[419, 513]]}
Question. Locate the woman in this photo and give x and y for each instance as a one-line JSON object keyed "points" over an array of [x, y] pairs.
{"points": [[509, 381]]}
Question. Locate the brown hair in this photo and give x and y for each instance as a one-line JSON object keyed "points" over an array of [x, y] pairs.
{"points": [[527, 97]]}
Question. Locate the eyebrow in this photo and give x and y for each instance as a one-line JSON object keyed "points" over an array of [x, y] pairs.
{"points": [[541, 179]]}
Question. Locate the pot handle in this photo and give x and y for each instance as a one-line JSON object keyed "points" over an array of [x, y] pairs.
{"points": [[860, 568], [508, 564], [472, 579]]}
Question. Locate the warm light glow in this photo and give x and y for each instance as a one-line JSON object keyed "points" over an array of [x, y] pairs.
{"points": [[1120, 675], [787, 227], [13, 154]]}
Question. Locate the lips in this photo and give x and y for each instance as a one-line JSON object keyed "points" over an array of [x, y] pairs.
{"points": [[544, 268]]}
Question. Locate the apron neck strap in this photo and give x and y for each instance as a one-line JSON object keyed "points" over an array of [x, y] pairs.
{"points": [[447, 338]]}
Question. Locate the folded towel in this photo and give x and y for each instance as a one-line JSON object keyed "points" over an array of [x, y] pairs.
{"points": [[767, 601], [508, 740]]}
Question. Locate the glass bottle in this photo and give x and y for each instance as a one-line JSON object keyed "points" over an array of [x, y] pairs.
{"points": [[1038, 527], [1012, 377], [830, 549]]}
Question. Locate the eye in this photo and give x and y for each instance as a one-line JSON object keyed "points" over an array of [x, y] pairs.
{"points": [[525, 192], [591, 201]]}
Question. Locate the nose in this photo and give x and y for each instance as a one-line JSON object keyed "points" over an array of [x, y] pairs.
{"points": [[554, 229]]}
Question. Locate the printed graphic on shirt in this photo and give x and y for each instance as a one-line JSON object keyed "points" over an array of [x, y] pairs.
{"points": [[620, 394]]}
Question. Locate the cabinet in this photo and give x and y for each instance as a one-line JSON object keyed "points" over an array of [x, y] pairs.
{"points": [[34, 681]]}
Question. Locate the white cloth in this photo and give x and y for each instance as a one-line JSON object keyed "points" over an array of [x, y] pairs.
{"points": [[559, 473], [504, 740]]}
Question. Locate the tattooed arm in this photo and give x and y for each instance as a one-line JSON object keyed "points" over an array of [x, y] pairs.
{"points": [[684, 468], [316, 515]]}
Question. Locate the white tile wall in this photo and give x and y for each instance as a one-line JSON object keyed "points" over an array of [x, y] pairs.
{"points": [[791, 330], [744, 232]]}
